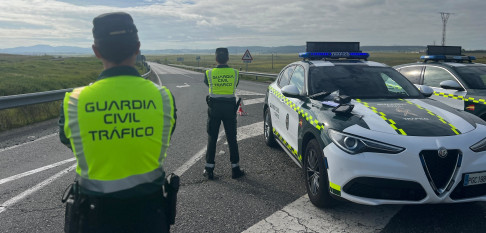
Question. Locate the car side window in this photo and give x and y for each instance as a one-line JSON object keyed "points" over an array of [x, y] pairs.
{"points": [[298, 78], [412, 73], [285, 76], [434, 75], [392, 86]]}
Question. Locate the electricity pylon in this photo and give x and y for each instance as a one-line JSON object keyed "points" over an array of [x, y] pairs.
{"points": [[445, 17]]}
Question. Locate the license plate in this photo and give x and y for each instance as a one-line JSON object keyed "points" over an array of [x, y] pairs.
{"points": [[475, 178]]}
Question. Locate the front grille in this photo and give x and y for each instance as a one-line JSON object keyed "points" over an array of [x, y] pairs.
{"points": [[463, 192], [439, 170], [387, 189]]}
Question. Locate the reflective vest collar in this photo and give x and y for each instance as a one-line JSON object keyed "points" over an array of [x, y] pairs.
{"points": [[119, 70]]}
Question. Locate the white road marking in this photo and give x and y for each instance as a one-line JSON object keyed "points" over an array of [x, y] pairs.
{"points": [[15, 177], [255, 83], [243, 92], [253, 101], [193, 160], [23, 144], [249, 131], [172, 70], [185, 85], [303, 216], [34, 189], [243, 133], [158, 78]]}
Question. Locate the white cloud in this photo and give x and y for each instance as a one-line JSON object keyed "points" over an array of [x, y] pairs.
{"points": [[214, 23]]}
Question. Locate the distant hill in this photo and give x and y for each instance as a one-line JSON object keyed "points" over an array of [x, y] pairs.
{"points": [[47, 49], [71, 50]]}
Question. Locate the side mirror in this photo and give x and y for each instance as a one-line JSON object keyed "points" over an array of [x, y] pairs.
{"points": [[291, 91], [425, 90], [451, 84]]}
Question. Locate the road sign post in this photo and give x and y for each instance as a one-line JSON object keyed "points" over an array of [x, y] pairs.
{"points": [[247, 58]]}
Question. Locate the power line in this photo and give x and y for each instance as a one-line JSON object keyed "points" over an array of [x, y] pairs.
{"points": [[445, 17]]}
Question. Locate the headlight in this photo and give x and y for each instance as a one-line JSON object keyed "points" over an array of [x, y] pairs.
{"points": [[354, 144], [480, 146]]}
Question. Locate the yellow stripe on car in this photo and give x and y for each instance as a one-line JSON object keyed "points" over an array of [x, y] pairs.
{"points": [[458, 97], [334, 188], [318, 125], [286, 144], [391, 122], [453, 128]]}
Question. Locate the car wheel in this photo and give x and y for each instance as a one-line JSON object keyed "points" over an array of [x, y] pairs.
{"points": [[316, 180], [268, 129]]}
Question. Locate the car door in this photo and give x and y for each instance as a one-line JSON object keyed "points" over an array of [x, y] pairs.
{"points": [[290, 117], [276, 100], [433, 76]]}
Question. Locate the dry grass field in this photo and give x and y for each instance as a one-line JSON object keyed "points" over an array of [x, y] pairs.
{"points": [[29, 74]]}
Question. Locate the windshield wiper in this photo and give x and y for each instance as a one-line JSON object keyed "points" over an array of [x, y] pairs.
{"points": [[320, 94]]}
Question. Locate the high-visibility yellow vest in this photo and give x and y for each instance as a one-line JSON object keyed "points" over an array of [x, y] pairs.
{"points": [[222, 82], [120, 129]]}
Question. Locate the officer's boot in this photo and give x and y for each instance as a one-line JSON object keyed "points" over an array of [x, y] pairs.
{"points": [[236, 172], [208, 173]]}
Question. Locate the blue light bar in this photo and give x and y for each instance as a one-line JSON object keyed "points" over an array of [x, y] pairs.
{"points": [[447, 58], [320, 55]]}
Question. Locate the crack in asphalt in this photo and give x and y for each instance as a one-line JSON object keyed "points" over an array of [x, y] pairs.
{"points": [[299, 221]]}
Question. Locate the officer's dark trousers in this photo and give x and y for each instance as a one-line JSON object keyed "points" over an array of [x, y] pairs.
{"points": [[222, 111], [141, 214]]}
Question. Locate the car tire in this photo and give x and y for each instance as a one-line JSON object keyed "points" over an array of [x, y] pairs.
{"points": [[316, 179], [268, 130]]}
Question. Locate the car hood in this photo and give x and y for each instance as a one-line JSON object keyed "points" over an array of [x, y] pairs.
{"points": [[412, 117]]}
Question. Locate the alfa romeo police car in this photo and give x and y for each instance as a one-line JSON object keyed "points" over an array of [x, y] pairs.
{"points": [[362, 132], [456, 80]]}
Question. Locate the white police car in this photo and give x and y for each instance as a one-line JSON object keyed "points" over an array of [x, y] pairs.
{"points": [[456, 80], [363, 132]]}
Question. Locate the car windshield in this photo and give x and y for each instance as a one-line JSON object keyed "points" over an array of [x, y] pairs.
{"points": [[473, 76], [361, 82]]}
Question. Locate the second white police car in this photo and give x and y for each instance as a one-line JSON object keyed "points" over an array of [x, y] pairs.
{"points": [[362, 132]]}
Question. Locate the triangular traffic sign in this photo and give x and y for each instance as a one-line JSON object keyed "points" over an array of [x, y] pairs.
{"points": [[247, 56]]}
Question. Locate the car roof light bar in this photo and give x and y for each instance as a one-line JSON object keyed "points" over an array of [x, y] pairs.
{"points": [[447, 58], [332, 46], [444, 50], [333, 55]]}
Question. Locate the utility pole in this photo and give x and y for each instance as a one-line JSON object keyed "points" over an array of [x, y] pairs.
{"points": [[445, 17]]}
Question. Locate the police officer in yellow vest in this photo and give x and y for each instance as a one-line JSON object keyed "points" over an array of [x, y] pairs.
{"points": [[119, 129], [222, 107]]}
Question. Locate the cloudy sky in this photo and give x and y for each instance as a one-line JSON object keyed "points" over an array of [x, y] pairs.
{"points": [[206, 24]]}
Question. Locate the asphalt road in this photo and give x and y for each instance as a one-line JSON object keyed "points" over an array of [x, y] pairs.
{"points": [[35, 168]]}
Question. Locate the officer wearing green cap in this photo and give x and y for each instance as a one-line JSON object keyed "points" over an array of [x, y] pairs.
{"points": [[119, 128], [222, 106]]}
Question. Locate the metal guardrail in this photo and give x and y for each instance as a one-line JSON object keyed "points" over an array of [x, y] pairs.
{"points": [[268, 75], [13, 101]]}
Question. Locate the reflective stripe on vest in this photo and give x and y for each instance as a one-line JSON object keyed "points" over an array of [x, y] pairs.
{"points": [[120, 130], [222, 82]]}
